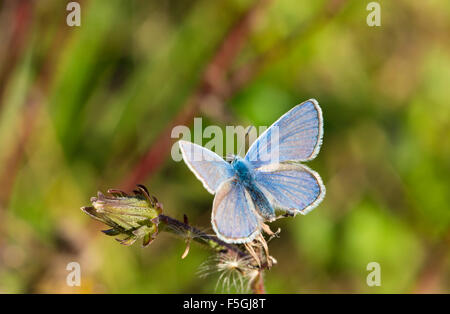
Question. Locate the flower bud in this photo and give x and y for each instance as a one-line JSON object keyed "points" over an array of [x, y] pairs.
{"points": [[133, 216]]}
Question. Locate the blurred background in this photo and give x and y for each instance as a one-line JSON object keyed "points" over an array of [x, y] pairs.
{"points": [[92, 107]]}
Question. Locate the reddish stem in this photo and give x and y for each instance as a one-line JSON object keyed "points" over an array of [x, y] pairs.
{"points": [[258, 284], [212, 83]]}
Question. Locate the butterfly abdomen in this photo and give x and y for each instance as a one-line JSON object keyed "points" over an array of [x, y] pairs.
{"points": [[261, 202]]}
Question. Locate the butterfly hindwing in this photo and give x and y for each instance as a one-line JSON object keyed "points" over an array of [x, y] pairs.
{"points": [[207, 166], [291, 187], [296, 136], [234, 218]]}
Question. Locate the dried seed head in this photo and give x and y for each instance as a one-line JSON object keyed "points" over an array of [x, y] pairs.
{"points": [[234, 272]]}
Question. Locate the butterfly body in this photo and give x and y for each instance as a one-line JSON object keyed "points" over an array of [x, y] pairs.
{"points": [[243, 170], [270, 177], [246, 175]]}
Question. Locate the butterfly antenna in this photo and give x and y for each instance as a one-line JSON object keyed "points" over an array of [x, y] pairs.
{"points": [[247, 132]]}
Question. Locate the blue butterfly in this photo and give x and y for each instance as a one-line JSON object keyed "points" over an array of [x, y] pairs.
{"points": [[270, 178]]}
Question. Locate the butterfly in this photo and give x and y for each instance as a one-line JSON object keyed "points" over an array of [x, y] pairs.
{"points": [[269, 180]]}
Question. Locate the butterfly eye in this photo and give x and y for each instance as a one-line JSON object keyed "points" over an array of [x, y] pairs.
{"points": [[230, 158]]}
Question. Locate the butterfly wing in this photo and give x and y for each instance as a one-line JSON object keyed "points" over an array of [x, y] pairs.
{"points": [[234, 218], [296, 136], [291, 187], [207, 166]]}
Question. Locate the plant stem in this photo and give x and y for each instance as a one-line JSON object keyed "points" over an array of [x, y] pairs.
{"points": [[175, 226], [258, 284]]}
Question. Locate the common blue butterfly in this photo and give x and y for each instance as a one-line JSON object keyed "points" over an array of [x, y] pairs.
{"points": [[251, 190]]}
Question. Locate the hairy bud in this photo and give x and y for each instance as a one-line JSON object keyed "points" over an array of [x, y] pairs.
{"points": [[132, 216]]}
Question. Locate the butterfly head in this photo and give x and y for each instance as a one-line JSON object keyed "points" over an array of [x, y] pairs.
{"points": [[235, 159], [230, 158]]}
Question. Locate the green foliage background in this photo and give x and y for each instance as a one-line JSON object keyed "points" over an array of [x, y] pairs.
{"points": [[100, 94]]}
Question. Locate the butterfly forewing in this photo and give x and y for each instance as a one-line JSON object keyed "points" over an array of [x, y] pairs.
{"points": [[207, 166], [296, 136]]}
